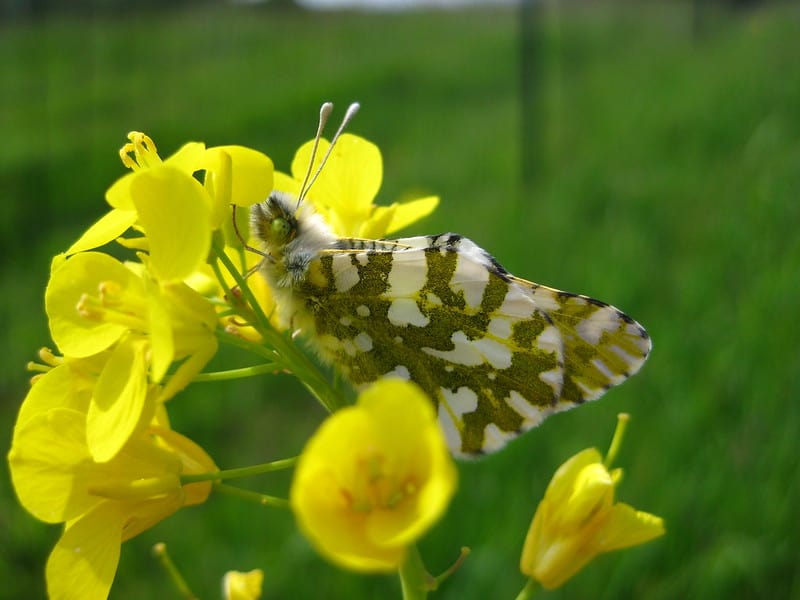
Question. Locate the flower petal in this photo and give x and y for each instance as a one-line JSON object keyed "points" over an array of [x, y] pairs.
{"points": [[251, 173], [373, 478], [60, 387], [410, 212], [187, 370], [401, 412], [560, 488], [45, 460], [242, 586], [119, 194], [84, 561], [626, 526], [162, 345], [118, 403], [285, 183], [351, 177], [188, 158], [592, 490], [108, 228], [174, 210], [377, 225], [74, 334]]}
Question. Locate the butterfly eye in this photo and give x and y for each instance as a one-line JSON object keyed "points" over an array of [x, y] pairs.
{"points": [[281, 229]]}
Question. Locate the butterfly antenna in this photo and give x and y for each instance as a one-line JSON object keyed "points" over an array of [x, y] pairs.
{"points": [[324, 114], [348, 116]]}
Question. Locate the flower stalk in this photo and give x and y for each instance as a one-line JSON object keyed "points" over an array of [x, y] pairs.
{"points": [[166, 562], [414, 578]]}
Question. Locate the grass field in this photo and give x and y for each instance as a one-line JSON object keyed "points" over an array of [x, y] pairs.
{"points": [[666, 181]]}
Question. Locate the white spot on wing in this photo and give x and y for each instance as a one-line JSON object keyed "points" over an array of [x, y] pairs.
{"points": [[471, 274], [554, 378], [635, 330], [432, 298], [530, 414], [500, 327], [362, 310], [472, 353], [518, 302], [408, 274], [465, 353], [345, 275], [399, 371], [545, 299], [549, 340], [450, 429], [494, 438], [363, 342], [495, 353], [349, 347], [631, 360], [602, 367], [587, 392], [461, 402], [404, 311], [592, 327]]}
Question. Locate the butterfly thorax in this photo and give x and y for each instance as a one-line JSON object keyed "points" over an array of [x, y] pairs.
{"points": [[291, 236]]}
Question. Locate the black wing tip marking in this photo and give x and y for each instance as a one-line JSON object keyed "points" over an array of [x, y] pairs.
{"points": [[452, 242]]}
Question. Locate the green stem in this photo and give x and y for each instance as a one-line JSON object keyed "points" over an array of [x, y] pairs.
{"points": [[277, 465], [261, 499], [160, 552], [453, 568], [237, 373], [414, 579], [616, 441], [527, 592]]}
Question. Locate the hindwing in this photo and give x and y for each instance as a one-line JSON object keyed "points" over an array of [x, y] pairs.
{"points": [[497, 354]]}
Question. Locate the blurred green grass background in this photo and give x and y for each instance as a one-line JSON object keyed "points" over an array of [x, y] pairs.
{"points": [[663, 177]]}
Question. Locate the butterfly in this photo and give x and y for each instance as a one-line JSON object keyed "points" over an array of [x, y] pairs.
{"points": [[495, 353]]}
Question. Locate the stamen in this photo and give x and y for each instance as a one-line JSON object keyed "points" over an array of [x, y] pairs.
{"points": [[47, 357], [140, 152], [97, 309], [136, 489]]}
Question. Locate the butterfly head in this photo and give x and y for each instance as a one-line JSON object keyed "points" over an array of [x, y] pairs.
{"points": [[274, 221], [284, 222]]}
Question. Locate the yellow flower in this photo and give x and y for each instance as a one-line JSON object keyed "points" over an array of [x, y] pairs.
{"points": [[374, 478], [578, 520], [175, 211], [95, 305], [100, 504], [346, 187], [237, 585]]}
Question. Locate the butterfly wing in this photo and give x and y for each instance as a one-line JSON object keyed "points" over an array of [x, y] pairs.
{"points": [[497, 354]]}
